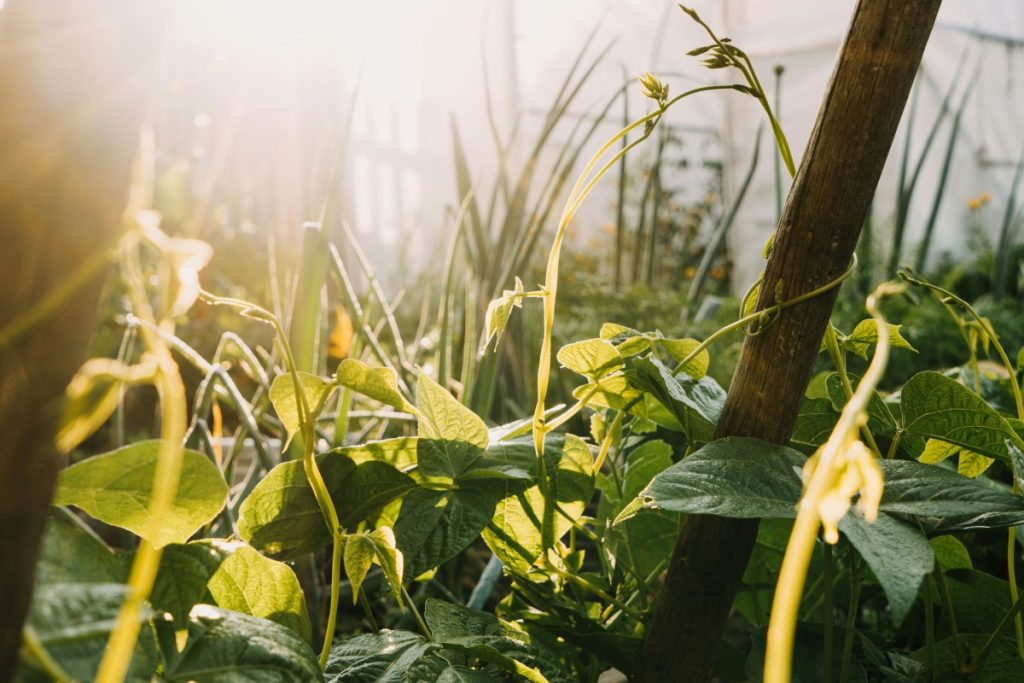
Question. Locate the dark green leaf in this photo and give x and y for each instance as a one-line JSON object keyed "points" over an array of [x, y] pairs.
{"points": [[73, 622], [938, 407], [181, 581], [815, 422], [731, 477], [944, 500], [71, 554], [897, 553], [228, 647], [382, 657], [435, 526]]}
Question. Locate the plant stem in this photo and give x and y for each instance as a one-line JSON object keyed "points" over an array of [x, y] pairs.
{"points": [[929, 625], [173, 414], [851, 617], [332, 613], [37, 651], [947, 604], [827, 621], [416, 614], [986, 650]]}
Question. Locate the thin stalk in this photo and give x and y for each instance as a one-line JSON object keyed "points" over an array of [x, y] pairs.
{"points": [[332, 613], [827, 621], [1011, 614], [831, 463], [620, 207], [839, 360], [947, 607], [33, 646], [652, 244], [579, 192], [851, 617], [756, 316], [173, 412], [1011, 570], [424, 629], [929, 626]]}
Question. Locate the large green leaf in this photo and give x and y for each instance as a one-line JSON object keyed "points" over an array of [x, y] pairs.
{"points": [[946, 501], [282, 396], [896, 551], [228, 647], [435, 525], [181, 581], [382, 657], [514, 534], [73, 621], [731, 477], [380, 384], [73, 554], [740, 477], [115, 488], [938, 407], [281, 516], [442, 417], [438, 669], [478, 635], [248, 583]]}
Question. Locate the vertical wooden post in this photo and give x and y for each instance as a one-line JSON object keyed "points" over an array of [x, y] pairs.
{"points": [[74, 78], [814, 244]]}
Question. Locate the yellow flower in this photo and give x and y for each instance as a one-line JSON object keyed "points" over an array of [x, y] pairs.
{"points": [[975, 203]]}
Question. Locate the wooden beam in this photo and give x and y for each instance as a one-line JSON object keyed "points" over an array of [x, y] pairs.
{"points": [[814, 244]]}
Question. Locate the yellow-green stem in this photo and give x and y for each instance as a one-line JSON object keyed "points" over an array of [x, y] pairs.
{"points": [[789, 589]]}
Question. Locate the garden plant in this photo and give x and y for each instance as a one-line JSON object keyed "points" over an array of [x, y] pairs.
{"points": [[330, 503]]}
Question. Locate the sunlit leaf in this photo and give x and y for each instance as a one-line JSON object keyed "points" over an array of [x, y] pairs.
{"points": [[248, 583], [380, 384], [865, 334], [590, 357], [442, 417], [281, 516], [282, 396], [115, 488]]}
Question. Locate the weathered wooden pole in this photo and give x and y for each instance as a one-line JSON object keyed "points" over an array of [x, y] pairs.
{"points": [[74, 80], [814, 244]]}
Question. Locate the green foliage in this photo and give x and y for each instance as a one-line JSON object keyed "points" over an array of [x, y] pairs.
{"points": [[116, 488]]}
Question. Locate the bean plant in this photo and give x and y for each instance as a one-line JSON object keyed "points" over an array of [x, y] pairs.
{"points": [[309, 546]]}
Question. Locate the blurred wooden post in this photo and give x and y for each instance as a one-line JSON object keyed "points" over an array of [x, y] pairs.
{"points": [[814, 245], [74, 79]]}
